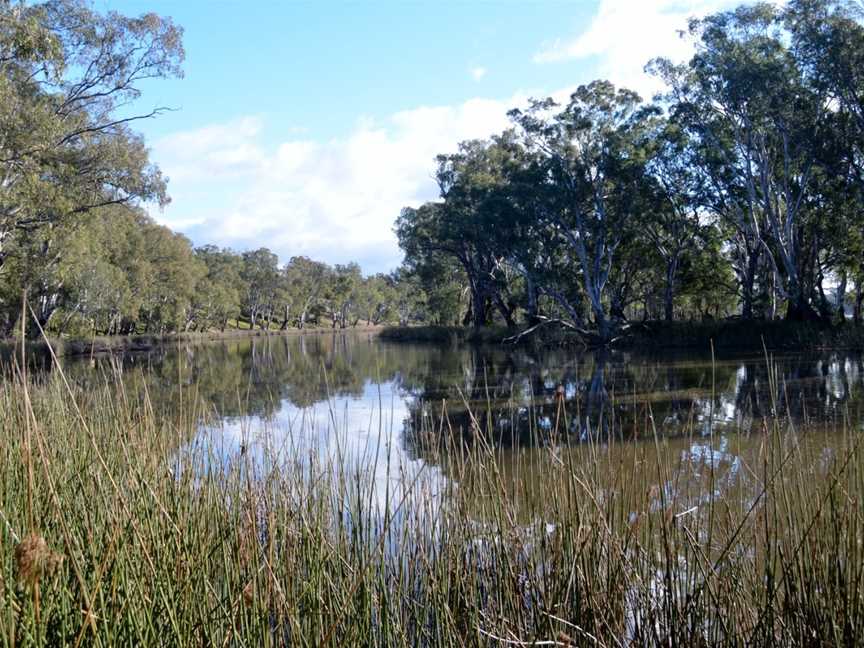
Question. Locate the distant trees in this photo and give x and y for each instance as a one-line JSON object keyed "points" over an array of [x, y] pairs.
{"points": [[262, 286], [116, 271], [307, 279], [219, 294], [67, 77], [738, 191]]}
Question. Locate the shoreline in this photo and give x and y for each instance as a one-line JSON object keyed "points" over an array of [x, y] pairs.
{"points": [[77, 346], [656, 336], [726, 335]]}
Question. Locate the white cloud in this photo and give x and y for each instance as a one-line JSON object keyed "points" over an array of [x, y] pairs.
{"points": [[625, 34], [214, 151], [337, 199], [334, 200]]}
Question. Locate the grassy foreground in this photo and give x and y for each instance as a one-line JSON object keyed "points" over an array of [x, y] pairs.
{"points": [[115, 529]]}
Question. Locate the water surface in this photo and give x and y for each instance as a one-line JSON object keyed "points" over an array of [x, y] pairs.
{"points": [[381, 406]]}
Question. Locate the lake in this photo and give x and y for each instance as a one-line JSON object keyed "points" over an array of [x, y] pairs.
{"points": [[361, 398]]}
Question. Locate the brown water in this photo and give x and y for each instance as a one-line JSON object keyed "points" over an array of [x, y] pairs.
{"points": [[359, 395]]}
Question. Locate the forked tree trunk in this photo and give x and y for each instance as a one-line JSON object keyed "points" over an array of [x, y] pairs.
{"points": [[669, 292], [859, 299], [748, 284]]}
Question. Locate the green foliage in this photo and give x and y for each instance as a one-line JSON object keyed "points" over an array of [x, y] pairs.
{"points": [[124, 524], [738, 191], [219, 293], [65, 72]]}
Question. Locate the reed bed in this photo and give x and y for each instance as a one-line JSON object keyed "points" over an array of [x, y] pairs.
{"points": [[120, 526]]}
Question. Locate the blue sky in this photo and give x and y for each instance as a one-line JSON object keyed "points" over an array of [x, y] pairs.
{"points": [[305, 127]]}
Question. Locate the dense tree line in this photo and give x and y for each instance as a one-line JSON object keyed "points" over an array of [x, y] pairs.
{"points": [[76, 245], [116, 271], [737, 191]]}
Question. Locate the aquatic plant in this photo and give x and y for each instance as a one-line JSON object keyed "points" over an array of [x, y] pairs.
{"points": [[168, 538]]}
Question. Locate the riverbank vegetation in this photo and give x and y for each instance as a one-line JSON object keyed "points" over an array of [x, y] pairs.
{"points": [[732, 334], [121, 524], [76, 184], [116, 272], [736, 191]]}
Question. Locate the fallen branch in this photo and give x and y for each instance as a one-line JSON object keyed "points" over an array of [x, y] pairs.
{"points": [[581, 334]]}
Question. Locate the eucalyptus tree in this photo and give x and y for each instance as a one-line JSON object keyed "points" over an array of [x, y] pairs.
{"points": [[447, 298], [87, 276], [68, 76], [759, 125], [707, 285], [305, 281], [673, 223], [342, 292], [376, 299], [218, 295], [531, 261], [534, 249], [114, 271], [172, 274], [467, 223], [592, 159], [87, 284], [262, 281], [827, 37], [410, 297]]}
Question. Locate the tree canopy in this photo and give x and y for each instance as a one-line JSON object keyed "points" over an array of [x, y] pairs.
{"points": [[76, 182], [736, 191]]}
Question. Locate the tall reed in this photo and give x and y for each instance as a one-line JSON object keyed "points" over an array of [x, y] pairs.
{"points": [[121, 524]]}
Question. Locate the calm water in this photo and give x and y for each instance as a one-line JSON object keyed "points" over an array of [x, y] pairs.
{"points": [[372, 403]]}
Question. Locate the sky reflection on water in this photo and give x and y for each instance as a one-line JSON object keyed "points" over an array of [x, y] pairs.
{"points": [[368, 403]]}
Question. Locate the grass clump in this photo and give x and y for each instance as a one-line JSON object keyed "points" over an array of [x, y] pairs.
{"points": [[139, 530]]}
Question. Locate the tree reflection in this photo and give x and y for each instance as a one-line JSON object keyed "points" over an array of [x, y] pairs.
{"points": [[507, 396]]}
